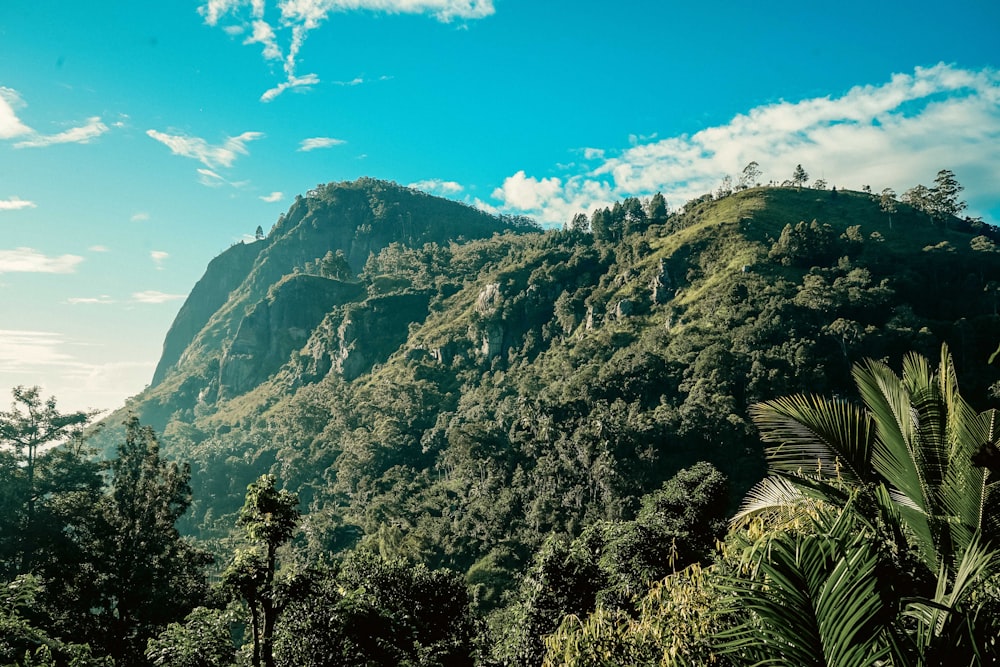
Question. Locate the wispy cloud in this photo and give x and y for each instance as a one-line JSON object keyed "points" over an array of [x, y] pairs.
{"points": [[10, 125], [99, 248], [139, 216], [213, 157], [895, 135], [83, 134], [48, 359], [273, 197], [89, 300], [314, 143], [15, 204], [155, 297], [28, 260], [280, 28], [159, 257], [293, 82], [20, 349], [437, 186]]}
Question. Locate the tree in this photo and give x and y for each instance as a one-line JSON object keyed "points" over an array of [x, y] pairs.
{"points": [[944, 195], [799, 176], [259, 234], [725, 187], [30, 425], [145, 574], [887, 203], [813, 598], [579, 223], [600, 224], [657, 209], [269, 517], [749, 177], [375, 611], [634, 216], [334, 265], [820, 184], [203, 640]]}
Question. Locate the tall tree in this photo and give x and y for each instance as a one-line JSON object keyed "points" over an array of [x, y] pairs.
{"points": [[944, 195], [600, 224], [887, 203], [27, 428], [269, 517], [657, 210], [799, 176], [749, 177], [146, 574], [579, 223]]}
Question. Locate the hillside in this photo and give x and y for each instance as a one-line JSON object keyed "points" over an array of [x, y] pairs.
{"points": [[454, 394]]}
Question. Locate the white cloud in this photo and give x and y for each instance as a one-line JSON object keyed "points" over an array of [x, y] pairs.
{"points": [[89, 300], [891, 135], [158, 257], [155, 297], [139, 216], [295, 19], [10, 125], [273, 197], [437, 186], [99, 248], [213, 157], [77, 135], [15, 204], [210, 178], [28, 260], [313, 143], [292, 82]]}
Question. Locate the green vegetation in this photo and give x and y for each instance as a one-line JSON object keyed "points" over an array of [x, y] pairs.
{"points": [[418, 434]]}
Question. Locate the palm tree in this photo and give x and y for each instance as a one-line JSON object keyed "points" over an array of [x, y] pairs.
{"points": [[903, 465]]}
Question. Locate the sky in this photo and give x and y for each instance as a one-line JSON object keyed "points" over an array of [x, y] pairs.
{"points": [[138, 140]]}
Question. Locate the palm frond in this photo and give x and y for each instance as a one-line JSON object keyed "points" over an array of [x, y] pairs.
{"points": [[815, 602], [888, 402], [817, 437], [772, 496]]}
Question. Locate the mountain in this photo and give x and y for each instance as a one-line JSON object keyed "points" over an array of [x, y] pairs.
{"points": [[258, 302], [448, 386]]}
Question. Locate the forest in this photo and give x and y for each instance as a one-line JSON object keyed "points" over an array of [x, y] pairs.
{"points": [[755, 428]]}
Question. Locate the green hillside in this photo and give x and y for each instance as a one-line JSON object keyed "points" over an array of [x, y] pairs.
{"points": [[448, 398]]}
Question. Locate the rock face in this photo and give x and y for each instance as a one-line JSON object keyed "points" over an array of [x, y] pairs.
{"points": [[277, 326], [223, 275], [268, 306], [358, 218]]}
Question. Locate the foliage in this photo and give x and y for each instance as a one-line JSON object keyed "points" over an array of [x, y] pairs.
{"points": [[376, 611], [204, 639], [902, 469], [269, 517]]}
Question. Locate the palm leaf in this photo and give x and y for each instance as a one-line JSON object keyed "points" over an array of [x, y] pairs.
{"points": [[816, 437], [792, 500], [815, 603], [897, 453]]}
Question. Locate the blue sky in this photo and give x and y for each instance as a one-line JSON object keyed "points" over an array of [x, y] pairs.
{"points": [[140, 139]]}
